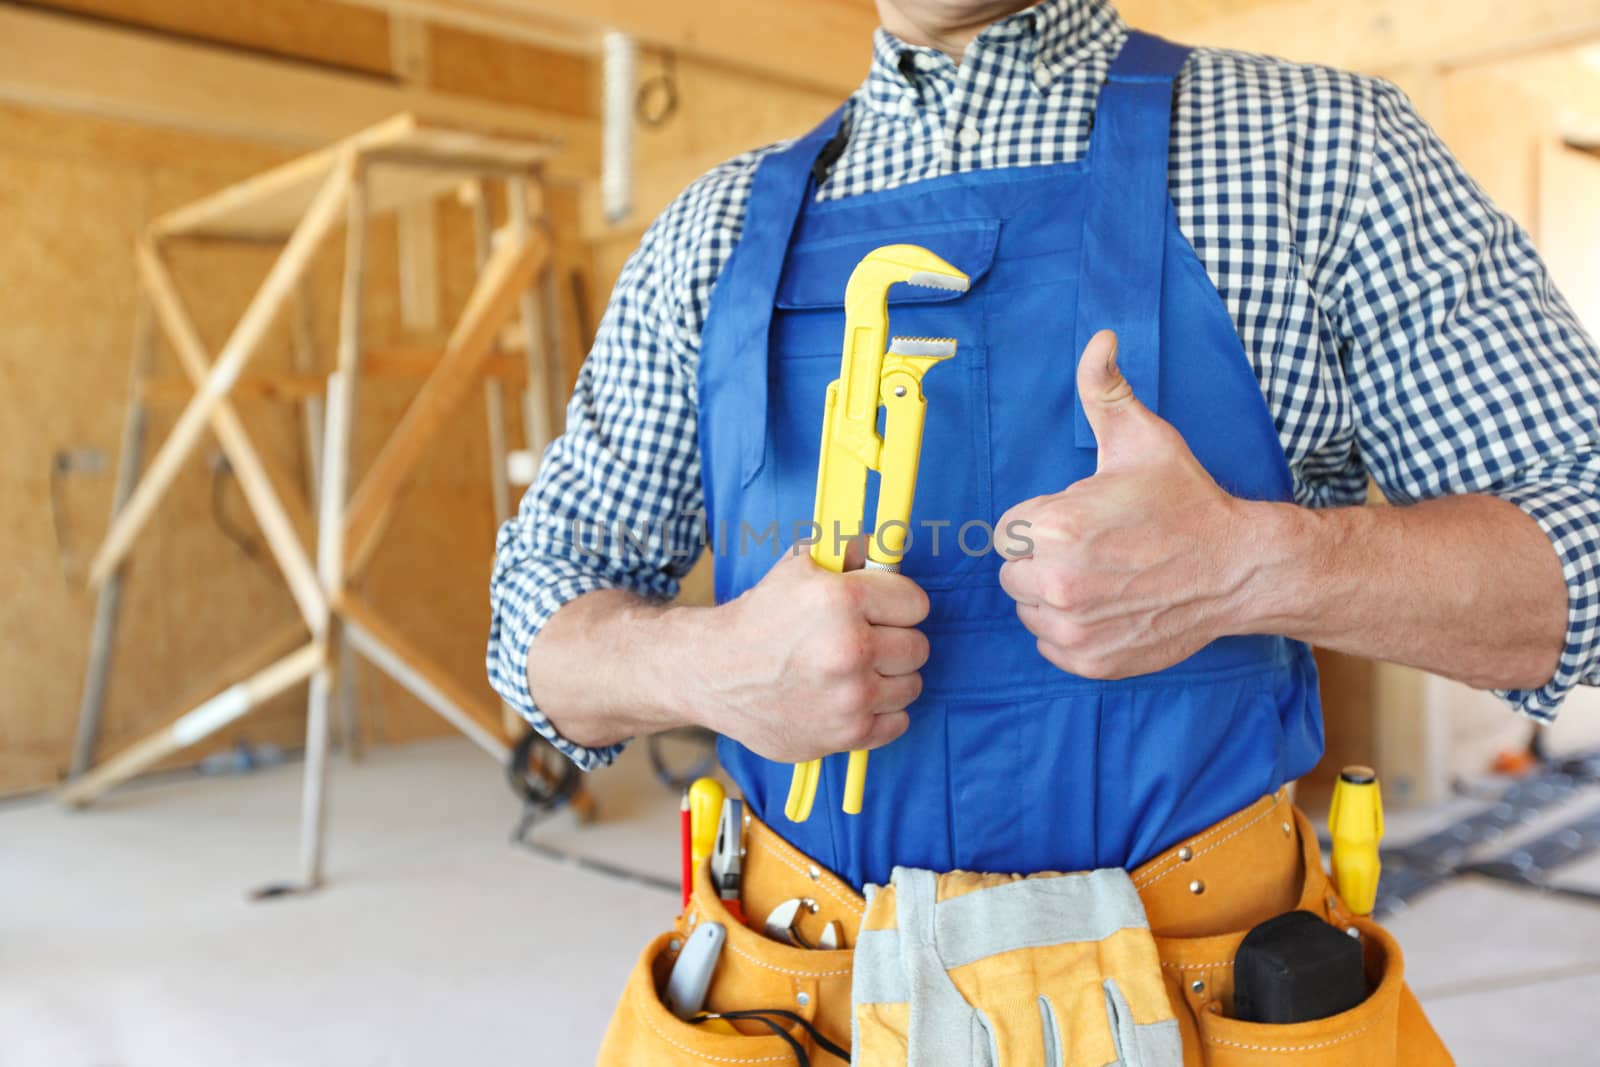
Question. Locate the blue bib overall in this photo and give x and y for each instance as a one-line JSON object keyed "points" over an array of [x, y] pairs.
{"points": [[1010, 764]]}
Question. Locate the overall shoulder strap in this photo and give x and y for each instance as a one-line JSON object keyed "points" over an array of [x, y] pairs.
{"points": [[1124, 228], [739, 320]]}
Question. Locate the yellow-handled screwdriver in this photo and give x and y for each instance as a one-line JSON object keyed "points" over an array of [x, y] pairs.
{"points": [[705, 809], [1355, 821], [875, 373]]}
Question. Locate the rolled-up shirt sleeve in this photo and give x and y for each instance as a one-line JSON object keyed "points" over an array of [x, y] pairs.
{"points": [[1468, 371], [617, 501]]}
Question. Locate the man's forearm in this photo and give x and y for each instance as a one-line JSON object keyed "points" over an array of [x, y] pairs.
{"points": [[805, 663], [609, 666], [1468, 587]]}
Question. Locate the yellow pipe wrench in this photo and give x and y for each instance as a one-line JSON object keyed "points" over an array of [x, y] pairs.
{"points": [[872, 376]]}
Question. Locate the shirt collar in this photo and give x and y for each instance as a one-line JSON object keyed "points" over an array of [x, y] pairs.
{"points": [[1056, 35]]}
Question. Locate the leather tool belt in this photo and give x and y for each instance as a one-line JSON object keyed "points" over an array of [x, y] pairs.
{"points": [[1199, 898]]}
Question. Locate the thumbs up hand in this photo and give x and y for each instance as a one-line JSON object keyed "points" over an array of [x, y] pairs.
{"points": [[1136, 567]]}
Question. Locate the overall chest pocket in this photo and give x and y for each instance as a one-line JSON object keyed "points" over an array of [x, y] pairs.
{"points": [[953, 506]]}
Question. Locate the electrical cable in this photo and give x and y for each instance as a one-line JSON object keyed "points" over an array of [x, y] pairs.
{"points": [[534, 780], [71, 566], [657, 99], [763, 1015], [678, 781], [219, 514], [544, 789]]}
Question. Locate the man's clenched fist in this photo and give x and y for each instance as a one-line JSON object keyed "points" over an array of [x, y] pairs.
{"points": [[1132, 569], [809, 662]]}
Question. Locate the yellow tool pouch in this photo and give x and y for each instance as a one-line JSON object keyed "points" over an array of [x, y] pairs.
{"points": [[753, 972], [1200, 898], [1222, 879]]}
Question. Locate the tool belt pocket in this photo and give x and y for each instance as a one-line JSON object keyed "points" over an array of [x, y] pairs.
{"points": [[784, 1005], [644, 1031], [1369, 1034]]}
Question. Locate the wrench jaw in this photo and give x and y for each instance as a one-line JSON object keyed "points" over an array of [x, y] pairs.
{"points": [[932, 348], [892, 264], [866, 332]]}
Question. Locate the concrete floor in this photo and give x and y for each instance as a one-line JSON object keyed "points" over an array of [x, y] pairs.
{"points": [[126, 939]]}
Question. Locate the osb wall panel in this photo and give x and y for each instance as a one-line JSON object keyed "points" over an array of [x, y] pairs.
{"points": [[511, 72], [356, 38], [74, 192], [341, 35]]}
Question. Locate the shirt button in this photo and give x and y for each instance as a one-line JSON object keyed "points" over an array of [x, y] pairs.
{"points": [[968, 136]]}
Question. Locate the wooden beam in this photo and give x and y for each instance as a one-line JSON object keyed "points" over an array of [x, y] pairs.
{"points": [[220, 376], [379, 363], [1374, 35], [511, 267], [485, 19], [825, 44], [264, 488], [410, 159], [201, 718], [386, 648], [71, 64], [418, 238], [494, 394]]}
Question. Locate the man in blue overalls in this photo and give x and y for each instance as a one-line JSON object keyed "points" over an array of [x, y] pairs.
{"points": [[1211, 294]]}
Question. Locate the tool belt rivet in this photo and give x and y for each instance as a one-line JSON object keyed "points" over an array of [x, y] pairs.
{"points": [[1186, 854], [815, 874], [802, 998], [1197, 986], [1197, 887], [1287, 829]]}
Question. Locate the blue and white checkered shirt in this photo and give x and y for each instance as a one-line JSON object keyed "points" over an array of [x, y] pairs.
{"points": [[1401, 326]]}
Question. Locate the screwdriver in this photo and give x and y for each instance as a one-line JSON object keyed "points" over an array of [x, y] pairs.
{"points": [[705, 811]]}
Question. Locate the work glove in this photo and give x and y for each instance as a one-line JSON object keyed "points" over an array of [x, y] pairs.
{"points": [[982, 970]]}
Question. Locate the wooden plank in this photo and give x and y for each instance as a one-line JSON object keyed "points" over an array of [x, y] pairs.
{"points": [[201, 719], [481, 19], [418, 222], [386, 648], [140, 77], [494, 398], [477, 717], [330, 533], [306, 364], [296, 386], [241, 345], [265, 491], [307, 30], [421, 161], [108, 604], [511, 266], [342, 398], [824, 43], [538, 320]]}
